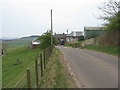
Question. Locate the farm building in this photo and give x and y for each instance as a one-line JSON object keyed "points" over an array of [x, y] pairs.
{"points": [[75, 36], [61, 38], [91, 32], [35, 43]]}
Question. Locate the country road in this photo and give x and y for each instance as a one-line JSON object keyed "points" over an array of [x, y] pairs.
{"points": [[93, 69]]}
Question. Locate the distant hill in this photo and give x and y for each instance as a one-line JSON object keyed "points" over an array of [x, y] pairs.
{"points": [[33, 36], [7, 38], [18, 42]]}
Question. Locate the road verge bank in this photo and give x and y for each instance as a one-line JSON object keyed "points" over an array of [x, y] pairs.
{"points": [[113, 50], [56, 75]]}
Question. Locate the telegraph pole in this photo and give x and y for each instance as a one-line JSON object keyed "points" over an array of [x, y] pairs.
{"points": [[51, 29], [67, 31]]}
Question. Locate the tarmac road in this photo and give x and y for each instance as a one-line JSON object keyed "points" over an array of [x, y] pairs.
{"points": [[93, 69]]}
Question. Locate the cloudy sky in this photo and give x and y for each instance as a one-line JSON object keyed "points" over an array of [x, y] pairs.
{"points": [[32, 17]]}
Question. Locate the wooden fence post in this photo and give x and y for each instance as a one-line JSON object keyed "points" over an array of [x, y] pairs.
{"points": [[36, 68], [28, 78], [41, 65], [46, 53], [44, 58]]}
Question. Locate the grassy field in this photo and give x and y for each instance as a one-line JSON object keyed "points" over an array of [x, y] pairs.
{"points": [[113, 50], [0, 72], [15, 43], [13, 70], [18, 58], [0, 66]]}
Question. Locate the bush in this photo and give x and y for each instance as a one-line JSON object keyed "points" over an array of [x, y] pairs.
{"points": [[109, 38], [74, 44], [46, 40]]}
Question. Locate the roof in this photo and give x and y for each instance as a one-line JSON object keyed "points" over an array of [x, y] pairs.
{"points": [[36, 41], [93, 28], [75, 33], [60, 35]]}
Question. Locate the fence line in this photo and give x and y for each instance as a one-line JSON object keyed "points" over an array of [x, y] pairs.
{"points": [[36, 69], [41, 65], [44, 57], [33, 75], [20, 80]]}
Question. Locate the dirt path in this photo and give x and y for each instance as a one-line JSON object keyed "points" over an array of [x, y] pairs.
{"points": [[92, 69]]}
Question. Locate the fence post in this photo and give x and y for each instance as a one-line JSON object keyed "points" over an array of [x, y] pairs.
{"points": [[28, 78], [41, 65], [46, 53], [36, 68], [44, 58]]}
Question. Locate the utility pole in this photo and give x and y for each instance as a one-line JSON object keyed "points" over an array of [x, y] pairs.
{"points": [[51, 29], [67, 31]]}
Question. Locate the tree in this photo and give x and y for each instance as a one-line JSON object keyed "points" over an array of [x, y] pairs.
{"points": [[111, 14], [46, 40], [113, 23], [109, 9]]}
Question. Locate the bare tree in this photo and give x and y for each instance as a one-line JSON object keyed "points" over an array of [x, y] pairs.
{"points": [[110, 8]]}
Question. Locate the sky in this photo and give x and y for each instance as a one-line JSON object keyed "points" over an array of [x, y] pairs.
{"points": [[20, 18]]}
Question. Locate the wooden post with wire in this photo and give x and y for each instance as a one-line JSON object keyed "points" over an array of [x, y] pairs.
{"points": [[44, 57], [36, 69], [28, 78], [41, 65]]}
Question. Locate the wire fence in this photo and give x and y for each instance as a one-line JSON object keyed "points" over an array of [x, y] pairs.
{"points": [[31, 77]]}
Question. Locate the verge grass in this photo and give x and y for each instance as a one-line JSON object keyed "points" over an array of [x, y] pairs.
{"points": [[74, 44], [113, 50], [56, 75]]}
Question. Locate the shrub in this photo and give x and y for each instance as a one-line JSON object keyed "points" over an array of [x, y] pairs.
{"points": [[46, 40]]}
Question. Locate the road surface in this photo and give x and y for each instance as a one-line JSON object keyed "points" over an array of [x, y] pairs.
{"points": [[93, 69]]}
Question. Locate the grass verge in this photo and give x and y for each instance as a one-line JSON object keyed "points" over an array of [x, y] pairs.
{"points": [[56, 75], [113, 50], [74, 44]]}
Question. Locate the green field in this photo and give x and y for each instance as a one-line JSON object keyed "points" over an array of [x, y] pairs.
{"points": [[15, 43], [0, 66], [0, 72], [19, 57]]}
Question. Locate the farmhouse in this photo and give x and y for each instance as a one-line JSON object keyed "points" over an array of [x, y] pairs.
{"points": [[92, 32], [74, 36], [61, 38], [35, 43]]}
